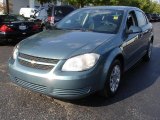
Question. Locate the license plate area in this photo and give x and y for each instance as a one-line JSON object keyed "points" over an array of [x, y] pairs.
{"points": [[22, 27]]}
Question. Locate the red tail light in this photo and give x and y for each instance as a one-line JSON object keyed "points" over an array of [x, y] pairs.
{"points": [[35, 27], [51, 19], [5, 28]]}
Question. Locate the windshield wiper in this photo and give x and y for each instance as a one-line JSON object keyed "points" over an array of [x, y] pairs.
{"points": [[87, 30]]}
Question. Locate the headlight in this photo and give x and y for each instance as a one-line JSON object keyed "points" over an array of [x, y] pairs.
{"points": [[15, 52], [81, 62]]}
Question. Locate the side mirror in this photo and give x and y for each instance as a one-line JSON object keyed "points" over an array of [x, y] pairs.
{"points": [[134, 29]]}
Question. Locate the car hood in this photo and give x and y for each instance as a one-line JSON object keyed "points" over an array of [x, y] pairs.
{"points": [[60, 44]]}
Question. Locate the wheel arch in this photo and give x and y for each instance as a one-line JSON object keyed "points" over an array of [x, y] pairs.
{"points": [[114, 55], [152, 38]]}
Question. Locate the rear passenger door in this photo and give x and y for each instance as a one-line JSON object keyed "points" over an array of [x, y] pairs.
{"points": [[146, 30]]}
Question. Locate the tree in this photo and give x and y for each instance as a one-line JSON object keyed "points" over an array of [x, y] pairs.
{"points": [[46, 1], [145, 5], [2, 7], [78, 3]]}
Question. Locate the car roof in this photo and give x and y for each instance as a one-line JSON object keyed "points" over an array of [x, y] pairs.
{"points": [[113, 7], [10, 15], [69, 6]]}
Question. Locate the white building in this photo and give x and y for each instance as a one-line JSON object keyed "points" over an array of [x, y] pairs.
{"points": [[15, 5], [1, 4]]}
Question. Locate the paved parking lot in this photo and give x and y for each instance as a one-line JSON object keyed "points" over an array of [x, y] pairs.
{"points": [[138, 98]]}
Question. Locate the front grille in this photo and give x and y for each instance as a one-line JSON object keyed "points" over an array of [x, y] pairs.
{"points": [[38, 59], [36, 62], [38, 88], [35, 66], [75, 92]]}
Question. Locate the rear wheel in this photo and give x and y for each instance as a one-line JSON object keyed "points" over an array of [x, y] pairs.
{"points": [[113, 79], [147, 56]]}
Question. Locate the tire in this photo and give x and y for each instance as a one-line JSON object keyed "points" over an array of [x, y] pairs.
{"points": [[147, 56], [112, 84]]}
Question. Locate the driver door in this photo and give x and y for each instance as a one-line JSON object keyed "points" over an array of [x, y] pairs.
{"points": [[132, 41]]}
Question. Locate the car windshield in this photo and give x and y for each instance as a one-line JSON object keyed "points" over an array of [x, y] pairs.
{"points": [[11, 18], [97, 20]]}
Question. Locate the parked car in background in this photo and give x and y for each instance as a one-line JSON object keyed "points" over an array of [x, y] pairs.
{"points": [[36, 15], [149, 16], [16, 27], [88, 51], [56, 13], [40, 17], [49, 16], [159, 17], [155, 17], [27, 12], [53, 14]]}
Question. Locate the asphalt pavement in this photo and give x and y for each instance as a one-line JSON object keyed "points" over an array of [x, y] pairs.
{"points": [[137, 99]]}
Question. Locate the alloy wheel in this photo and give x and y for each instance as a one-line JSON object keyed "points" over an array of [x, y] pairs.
{"points": [[115, 78], [150, 50]]}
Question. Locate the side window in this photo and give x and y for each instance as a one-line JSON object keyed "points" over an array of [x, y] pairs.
{"points": [[141, 19], [49, 11], [131, 20], [62, 11], [67, 10]]}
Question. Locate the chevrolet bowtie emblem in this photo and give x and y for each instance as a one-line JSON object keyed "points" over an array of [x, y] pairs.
{"points": [[33, 62]]}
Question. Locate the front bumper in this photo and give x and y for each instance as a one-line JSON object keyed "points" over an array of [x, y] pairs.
{"points": [[62, 85]]}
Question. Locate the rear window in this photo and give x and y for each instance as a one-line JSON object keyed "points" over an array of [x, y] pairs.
{"points": [[60, 11], [49, 11], [11, 18]]}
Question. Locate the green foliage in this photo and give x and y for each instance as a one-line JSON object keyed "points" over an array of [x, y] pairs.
{"points": [[45, 1], [145, 5]]}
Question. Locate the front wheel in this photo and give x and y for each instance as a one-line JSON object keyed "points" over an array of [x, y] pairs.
{"points": [[113, 79]]}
